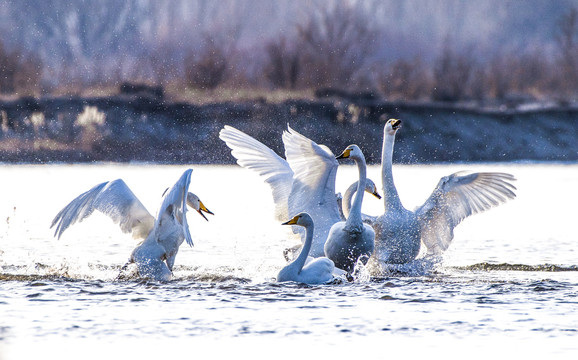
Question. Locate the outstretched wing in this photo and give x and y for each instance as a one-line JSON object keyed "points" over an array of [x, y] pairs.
{"points": [[114, 199], [175, 206], [456, 197], [315, 169], [252, 154]]}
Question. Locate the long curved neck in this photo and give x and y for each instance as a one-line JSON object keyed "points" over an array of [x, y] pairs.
{"points": [[346, 202], [354, 216], [390, 196], [300, 261]]}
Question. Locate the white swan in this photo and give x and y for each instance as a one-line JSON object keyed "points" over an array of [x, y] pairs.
{"points": [[351, 240], [316, 271], [305, 182], [155, 256], [399, 232], [345, 202]]}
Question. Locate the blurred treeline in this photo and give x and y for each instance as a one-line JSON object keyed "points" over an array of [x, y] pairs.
{"points": [[335, 44]]}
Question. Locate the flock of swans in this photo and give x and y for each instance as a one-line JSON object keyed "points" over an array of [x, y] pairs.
{"points": [[336, 236]]}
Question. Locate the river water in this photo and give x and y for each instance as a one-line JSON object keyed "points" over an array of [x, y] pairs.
{"points": [[508, 285]]}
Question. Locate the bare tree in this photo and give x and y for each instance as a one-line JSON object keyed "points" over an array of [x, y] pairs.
{"points": [[164, 63], [283, 64], [19, 71], [452, 74], [336, 42], [8, 67], [405, 79], [207, 68], [567, 39]]}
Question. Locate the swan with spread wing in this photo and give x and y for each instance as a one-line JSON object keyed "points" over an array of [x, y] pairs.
{"points": [[162, 236], [305, 182], [399, 232]]}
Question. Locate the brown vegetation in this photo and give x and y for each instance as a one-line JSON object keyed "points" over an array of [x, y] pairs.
{"points": [[333, 47], [19, 72], [284, 66]]}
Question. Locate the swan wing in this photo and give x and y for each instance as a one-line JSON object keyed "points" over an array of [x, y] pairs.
{"points": [[112, 198], [456, 197], [174, 209], [317, 271], [315, 169], [254, 155]]}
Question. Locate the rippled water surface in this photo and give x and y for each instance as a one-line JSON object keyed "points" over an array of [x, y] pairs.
{"points": [[508, 284]]}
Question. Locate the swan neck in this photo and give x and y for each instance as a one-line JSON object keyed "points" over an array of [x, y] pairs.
{"points": [[300, 261], [390, 195], [354, 216], [346, 202]]}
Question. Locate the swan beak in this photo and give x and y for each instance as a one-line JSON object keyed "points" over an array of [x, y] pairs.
{"points": [[376, 194], [395, 124], [345, 154], [202, 208], [291, 222]]}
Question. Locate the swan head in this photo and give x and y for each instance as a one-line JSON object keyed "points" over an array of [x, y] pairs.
{"points": [[196, 203], [371, 188], [301, 219], [352, 151], [392, 125]]}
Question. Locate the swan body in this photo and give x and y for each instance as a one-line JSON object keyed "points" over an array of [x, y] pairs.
{"points": [[399, 232], [398, 237], [162, 236], [304, 269], [351, 240], [305, 182]]}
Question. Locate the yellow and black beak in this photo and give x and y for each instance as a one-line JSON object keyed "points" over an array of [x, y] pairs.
{"points": [[395, 124], [292, 221], [345, 154], [202, 208], [376, 194]]}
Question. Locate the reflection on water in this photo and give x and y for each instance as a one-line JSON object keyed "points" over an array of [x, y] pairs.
{"points": [[509, 272]]}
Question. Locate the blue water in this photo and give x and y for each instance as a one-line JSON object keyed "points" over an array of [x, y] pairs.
{"points": [[508, 285]]}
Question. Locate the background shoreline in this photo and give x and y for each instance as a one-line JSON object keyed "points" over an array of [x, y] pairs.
{"points": [[146, 129]]}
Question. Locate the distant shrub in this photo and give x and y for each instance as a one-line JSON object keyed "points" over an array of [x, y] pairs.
{"points": [[207, 68], [92, 125], [452, 75], [165, 62], [405, 79], [567, 40], [283, 64], [335, 43], [19, 72], [38, 121]]}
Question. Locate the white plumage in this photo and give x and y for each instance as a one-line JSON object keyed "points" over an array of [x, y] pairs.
{"points": [[370, 188], [162, 235], [305, 269], [351, 240], [399, 232], [305, 182]]}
